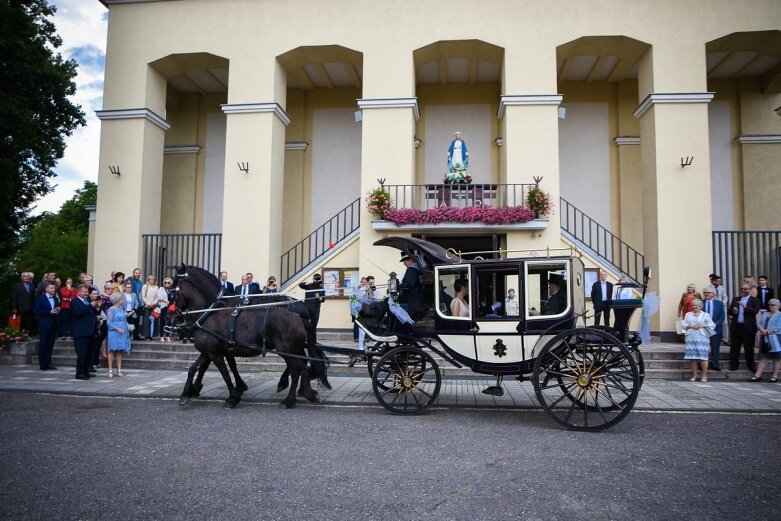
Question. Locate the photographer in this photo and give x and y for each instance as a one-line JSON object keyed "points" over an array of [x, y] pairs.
{"points": [[271, 285]]}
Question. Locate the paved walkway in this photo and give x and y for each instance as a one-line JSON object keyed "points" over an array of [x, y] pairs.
{"points": [[655, 395]]}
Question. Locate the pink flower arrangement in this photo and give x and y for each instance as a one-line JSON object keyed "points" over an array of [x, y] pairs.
{"points": [[470, 214], [378, 202]]}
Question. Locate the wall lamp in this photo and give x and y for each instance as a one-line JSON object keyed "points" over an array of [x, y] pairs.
{"points": [[416, 140], [499, 142], [244, 167], [562, 112], [114, 169]]}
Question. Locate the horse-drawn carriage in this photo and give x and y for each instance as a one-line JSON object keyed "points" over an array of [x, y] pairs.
{"points": [[585, 378]]}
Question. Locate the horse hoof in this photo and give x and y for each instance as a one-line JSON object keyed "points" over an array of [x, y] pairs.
{"points": [[230, 405], [325, 383], [243, 387], [184, 400], [312, 397], [281, 388], [287, 405]]}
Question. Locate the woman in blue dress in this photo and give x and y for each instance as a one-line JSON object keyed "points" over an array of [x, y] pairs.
{"points": [[118, 333], [770, 332], [698, 327]]}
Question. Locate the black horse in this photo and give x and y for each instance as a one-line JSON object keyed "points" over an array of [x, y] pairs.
{"points": [[277, 327]]}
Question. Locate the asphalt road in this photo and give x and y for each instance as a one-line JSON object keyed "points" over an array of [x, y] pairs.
{"points": [[82, 457]]}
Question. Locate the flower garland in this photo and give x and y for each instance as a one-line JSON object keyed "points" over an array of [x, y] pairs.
{"points": [[471, 214]]}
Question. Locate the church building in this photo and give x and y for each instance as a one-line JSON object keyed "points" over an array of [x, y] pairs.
{"points": [[245, 135]]}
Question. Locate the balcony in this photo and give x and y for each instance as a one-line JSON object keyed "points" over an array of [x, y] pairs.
{"points": [[468, 207]]}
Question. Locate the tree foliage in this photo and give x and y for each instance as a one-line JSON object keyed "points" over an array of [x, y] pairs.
{"points": [[35, 114], [58, 242]]}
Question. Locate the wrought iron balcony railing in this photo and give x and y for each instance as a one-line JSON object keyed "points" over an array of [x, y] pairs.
{"points": [[423, 197]]}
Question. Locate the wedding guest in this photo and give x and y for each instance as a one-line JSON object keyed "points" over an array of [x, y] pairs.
{"points": [[715, 309], [68, 292], [137, 285], [511, 306], [130, 301], [166, 296], [271, 285], [770, 330], [459, 306], [764, 292], [149, 295], [118, 282], [698, 327], [118, 333], [743, 326], [23, 301]]}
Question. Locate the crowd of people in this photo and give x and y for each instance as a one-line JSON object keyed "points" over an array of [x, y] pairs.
{"points": [[102, 321], [747, 322]]}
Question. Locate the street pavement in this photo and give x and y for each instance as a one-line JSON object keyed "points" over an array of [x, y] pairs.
{"points": [[655, 395]]}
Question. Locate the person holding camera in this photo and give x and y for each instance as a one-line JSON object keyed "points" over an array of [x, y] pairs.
{"points": [[271, 285]]}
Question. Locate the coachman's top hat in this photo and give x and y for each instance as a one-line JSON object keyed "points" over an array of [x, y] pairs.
{"points": [[404, 256], [554, 278]]}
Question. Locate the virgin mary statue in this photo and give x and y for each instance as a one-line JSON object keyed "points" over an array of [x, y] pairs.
{"points": [[457, 153]]}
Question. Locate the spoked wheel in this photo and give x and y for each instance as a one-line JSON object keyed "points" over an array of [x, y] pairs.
{"points": [[586, 379], [406, 380], [372, 359]]}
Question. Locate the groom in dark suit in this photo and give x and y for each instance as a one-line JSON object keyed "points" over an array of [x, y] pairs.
{"points": [[601, 296], [47, 307]]}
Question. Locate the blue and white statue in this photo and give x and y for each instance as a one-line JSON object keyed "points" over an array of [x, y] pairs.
{"points": [[457, 154]]}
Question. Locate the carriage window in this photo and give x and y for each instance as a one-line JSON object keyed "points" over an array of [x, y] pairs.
{"points": [[453, 299], [547, 291], [497, 292]]}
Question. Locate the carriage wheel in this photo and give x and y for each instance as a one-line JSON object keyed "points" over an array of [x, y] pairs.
{"points": [[586, 379], [406, 380]]}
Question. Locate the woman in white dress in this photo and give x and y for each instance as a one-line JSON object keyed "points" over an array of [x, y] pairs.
{"points": [[459, 307], [698, 327]]}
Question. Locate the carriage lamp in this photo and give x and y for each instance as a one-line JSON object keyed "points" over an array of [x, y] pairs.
{"points": [[393, 284]]}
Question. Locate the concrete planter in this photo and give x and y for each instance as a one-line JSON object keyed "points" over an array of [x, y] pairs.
{"points": [[536, 224], [21, 353]]}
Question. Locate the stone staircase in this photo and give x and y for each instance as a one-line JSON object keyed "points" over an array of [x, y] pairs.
{"points": [[662, 360]]}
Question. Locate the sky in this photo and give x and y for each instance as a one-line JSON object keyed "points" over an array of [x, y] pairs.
{"points": [[82, 26]]}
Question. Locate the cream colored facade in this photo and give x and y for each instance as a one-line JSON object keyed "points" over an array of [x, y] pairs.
{"points": [[194, 88]]}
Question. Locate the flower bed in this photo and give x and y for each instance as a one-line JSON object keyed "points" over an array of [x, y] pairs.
{"points": [[471, 214]]}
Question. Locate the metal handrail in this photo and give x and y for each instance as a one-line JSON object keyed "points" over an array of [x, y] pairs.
{"points": [[320, 241], [426, 196], [602, 241], [737, 254]]}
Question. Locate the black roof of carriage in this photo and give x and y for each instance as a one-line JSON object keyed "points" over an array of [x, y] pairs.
{"points": [[432, 253]]}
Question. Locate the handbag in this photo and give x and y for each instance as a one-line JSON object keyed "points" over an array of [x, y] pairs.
{"points": [[155, 313], [15, 321], [679, 327], [172, 308]]}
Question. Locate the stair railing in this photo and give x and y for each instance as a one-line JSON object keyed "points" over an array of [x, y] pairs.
{"points": [[601, 241], [321, 241]]}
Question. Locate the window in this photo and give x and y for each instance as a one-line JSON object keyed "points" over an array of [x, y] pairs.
{"points": [[498, 292], [453, 287], [547, 290]]}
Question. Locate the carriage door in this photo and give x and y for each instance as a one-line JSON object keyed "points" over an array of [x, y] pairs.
{"points": [[497, 316]]}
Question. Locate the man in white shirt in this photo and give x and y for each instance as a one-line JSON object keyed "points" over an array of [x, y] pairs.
{"points": [[511, 307]]}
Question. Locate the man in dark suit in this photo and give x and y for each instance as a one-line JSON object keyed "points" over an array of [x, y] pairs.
{"points": [[247, 287], [254, 286], [714, 308], [743, 327], [411, 288], [227, 287], [83, 313], [601, 296], [764, 292], [314, 297], [557, 296], [23, 301], [47, 307]]}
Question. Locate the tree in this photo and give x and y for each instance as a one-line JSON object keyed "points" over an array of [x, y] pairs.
{"points": [[58, 242], [35, 113]]}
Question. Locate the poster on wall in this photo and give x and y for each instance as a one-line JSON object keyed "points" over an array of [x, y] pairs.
{"points": [[591, 275], [349, 282], [331, 282]]}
